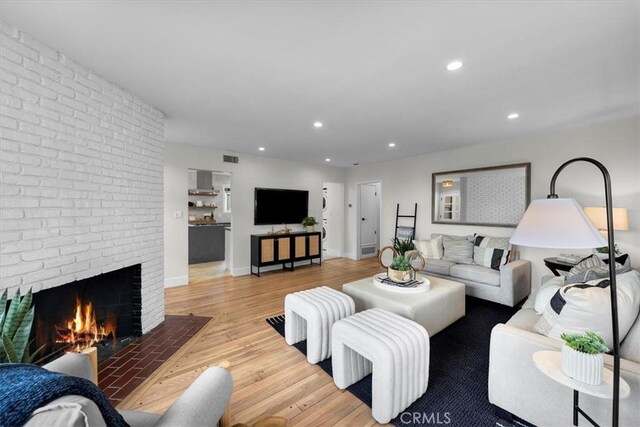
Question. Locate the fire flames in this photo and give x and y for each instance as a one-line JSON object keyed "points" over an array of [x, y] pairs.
{"points": [[83, 330]]}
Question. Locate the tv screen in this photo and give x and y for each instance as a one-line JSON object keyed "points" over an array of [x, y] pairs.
{"points": [[276, 206]]}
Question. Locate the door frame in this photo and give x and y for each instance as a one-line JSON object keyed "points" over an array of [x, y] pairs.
{"points": [[358, 214]]}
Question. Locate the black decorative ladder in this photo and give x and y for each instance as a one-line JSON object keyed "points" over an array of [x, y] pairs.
{"points": [[406, 231]]}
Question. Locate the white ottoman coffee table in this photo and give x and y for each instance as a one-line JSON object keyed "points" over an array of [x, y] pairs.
{"points": [[310, 315], [434, 309], [394, 348]]}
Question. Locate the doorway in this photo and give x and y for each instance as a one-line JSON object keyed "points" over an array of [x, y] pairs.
{"points": [[209, 233], [369, 219]]}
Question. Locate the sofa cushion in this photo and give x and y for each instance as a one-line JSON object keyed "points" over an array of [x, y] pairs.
{"points": [[140, 419], [490, 251], [630, 346], [438, 266], [477, 273], [524, 319], [458, 249], [430, 249], [67, 411], [586, 307]]}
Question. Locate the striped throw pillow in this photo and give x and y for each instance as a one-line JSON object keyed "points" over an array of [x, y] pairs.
{"points": [[431, 249], [490, 252], [458, 249]]}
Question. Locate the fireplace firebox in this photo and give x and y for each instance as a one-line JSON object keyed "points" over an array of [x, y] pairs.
{"points": [[102, 311]]}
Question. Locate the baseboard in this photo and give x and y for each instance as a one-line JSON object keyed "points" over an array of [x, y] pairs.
{"points": [[331, 253], [170, 282], [350, 255], [241, 271]]}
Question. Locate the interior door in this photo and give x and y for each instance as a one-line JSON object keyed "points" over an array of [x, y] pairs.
{"points": [[369, 219]]}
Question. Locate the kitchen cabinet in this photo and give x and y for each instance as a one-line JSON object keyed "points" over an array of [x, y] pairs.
{"points": [[206, 243]]}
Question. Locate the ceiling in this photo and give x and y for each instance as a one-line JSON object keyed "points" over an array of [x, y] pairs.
{"points": [[238, 75]]}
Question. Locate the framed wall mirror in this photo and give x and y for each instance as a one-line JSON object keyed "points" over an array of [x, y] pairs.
{"points": [[492, 196]]}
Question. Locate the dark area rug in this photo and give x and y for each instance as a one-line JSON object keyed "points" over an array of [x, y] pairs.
{"points": [[457, 394]]}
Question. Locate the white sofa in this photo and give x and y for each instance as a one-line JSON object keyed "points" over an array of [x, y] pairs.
{"points": [[519, 388], [508, 286]]}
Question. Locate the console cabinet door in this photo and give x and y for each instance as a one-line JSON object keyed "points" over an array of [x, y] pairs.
{"points": [[314, 245], [300, 245], [267, 250], [284, 248]]}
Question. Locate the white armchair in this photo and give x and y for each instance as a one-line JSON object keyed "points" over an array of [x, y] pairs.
{"points": [[202, 404]]}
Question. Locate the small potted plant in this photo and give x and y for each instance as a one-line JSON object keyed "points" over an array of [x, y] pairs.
{"points": [[309, 222], [400, 270], [582, 357]]}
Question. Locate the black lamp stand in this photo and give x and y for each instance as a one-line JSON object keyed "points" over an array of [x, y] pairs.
{"points": [[612, 275]]}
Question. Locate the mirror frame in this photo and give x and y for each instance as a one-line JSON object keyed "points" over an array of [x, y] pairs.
{"points": [[434, 205]]}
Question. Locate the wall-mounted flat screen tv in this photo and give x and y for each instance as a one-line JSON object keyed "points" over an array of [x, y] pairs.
{"points": [[278, 206]]}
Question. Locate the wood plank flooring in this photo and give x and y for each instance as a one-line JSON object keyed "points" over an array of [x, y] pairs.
{"points": [[270, 378]]}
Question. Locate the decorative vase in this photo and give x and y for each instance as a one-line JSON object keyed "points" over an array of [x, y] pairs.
{"points": [[310, 228], [583, 367], [400, 276]]}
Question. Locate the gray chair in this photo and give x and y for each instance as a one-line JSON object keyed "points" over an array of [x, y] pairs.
{"points": [[202, 404]]}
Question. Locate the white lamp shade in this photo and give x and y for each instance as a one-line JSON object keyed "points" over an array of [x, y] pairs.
{"points": [[556, 223], [598, 217]]}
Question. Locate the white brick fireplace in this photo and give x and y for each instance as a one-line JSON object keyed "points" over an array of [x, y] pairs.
{"points": [[81, 170]]}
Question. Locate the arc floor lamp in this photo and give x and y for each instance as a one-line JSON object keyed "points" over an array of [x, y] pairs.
{"points": [[561, 223]]}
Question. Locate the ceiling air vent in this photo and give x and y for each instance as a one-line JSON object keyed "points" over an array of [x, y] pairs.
{"points": [[229, 159]]}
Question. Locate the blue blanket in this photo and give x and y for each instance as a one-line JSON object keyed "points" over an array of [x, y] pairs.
{"points": [[25, 388]]}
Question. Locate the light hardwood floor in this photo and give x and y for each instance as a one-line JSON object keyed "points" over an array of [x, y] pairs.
{"points": [[270, 378], [207, 270]]}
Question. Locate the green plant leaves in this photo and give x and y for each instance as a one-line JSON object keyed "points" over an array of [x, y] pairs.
{"points": [[402, 246], [8, 329], [589, 342], [9, 350], [21, 338], [16, 323]]}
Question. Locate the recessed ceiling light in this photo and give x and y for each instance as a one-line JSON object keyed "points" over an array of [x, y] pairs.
{"points": [[392, 144], [317, 125], [454, 65], [261, 148], [327, 159], [512, 116]]}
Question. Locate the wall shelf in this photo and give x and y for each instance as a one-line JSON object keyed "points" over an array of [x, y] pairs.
{"points": [[203, 193]]}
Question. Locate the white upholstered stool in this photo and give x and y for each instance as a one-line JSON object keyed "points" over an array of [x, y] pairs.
{"points": [[310, 314], [395, 349]]}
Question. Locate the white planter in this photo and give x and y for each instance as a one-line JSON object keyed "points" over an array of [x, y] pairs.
{"points": [[310, 228], [583, 367]]}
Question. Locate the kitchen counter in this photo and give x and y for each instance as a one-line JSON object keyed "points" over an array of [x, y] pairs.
{"points": [[217, 224]]}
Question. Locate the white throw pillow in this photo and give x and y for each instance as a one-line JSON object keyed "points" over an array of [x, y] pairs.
{"points": [[431, 249], [586, 307], [546, 292]]}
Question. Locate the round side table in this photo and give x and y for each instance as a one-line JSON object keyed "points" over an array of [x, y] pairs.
{"points": [[549, 363]]}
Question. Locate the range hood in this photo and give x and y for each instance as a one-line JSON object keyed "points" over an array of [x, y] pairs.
{"points": [[204, 180]]}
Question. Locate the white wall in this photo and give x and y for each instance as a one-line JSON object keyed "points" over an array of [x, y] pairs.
{"points": [[250, 172], [81, 172], [615, 143]]}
